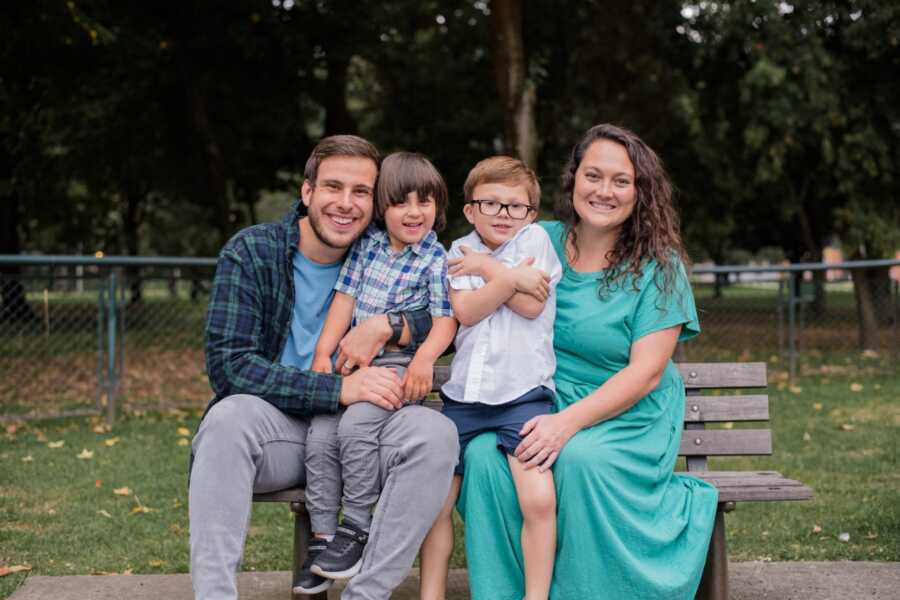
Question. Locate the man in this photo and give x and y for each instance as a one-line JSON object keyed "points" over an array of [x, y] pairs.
{"points": [[270, 296]]}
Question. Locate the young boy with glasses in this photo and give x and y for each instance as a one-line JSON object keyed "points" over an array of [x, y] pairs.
{"points": [[502, 372]]}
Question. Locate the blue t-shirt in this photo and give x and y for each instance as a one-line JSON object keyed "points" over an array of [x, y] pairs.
{"points": [[313, 291]]}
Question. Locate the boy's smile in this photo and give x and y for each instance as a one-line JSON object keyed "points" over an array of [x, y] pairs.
{"points": [[410, 220], [497, 229]]}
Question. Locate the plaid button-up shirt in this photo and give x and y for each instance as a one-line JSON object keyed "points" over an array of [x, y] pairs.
{"points": [[383, 281], [250, 311]]}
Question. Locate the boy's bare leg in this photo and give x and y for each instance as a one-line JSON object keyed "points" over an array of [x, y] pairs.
{"points": [[434, 557], [537, 499]]}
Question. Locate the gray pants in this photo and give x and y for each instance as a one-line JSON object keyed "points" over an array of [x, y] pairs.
{"points": [[342, 466], [246, 445]]}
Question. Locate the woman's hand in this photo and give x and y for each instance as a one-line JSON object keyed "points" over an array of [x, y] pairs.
{"points": [[543, 437], [417, 381], [470, 263], [361, 344]]}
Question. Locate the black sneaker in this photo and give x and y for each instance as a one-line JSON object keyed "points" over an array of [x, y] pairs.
{"points": [[343, 557], [308, 582]]}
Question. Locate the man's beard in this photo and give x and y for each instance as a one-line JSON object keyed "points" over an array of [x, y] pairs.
{"points": [[314, 222]]}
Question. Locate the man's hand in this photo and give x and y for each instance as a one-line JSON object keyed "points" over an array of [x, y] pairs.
{"points": [[470, 263], [321, 364], [362, 343], [378, 385], [417, 381], [530, 280]]}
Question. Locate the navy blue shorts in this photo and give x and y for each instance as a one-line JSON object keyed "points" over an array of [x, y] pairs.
{"points": [[473, 418]]}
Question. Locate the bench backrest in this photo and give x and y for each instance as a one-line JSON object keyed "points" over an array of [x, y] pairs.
{"points": [[697, 442]]}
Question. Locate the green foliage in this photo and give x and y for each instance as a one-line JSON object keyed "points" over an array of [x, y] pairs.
{"points": [[158, 129]]}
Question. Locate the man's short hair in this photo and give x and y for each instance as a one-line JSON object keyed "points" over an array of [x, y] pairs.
{"points": [[504, 170], [338, 145], [406, 172]]}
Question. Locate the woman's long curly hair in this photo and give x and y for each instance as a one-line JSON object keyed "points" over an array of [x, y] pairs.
{"points": [[652, 232]]}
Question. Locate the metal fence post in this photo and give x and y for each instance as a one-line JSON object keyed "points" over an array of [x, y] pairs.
{"points": [[111, 330], [792, 327]]}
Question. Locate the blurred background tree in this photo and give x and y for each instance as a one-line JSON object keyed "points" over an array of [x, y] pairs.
{"points": [[164, 127]]}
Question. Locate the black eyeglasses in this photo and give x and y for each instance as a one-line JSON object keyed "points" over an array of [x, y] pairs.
{"points": [[492, 208]]}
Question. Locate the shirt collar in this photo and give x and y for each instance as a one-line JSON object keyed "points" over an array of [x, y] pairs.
{"points": [[422, 247], [291, 221]]}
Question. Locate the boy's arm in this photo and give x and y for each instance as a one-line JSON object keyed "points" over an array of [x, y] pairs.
{"points": [[532, 284], [340, 315], [420, 371]]}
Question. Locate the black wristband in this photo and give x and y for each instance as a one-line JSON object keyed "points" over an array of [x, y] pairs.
{"points": [[396, 323]]}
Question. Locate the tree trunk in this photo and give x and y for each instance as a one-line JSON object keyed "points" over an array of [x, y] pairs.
{"points": [[872, 289], [131, 221], [211, 153], [13, 302], [814, 251], [518, 94], [337, 118]]}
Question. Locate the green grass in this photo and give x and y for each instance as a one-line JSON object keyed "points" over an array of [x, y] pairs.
{"points": [[54, 507]]}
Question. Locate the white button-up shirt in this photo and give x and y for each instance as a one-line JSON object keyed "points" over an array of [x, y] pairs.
{"points": [[505, 354]]}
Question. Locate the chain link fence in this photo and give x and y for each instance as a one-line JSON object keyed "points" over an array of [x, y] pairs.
{"points": [[83, 336], [811, 311]]}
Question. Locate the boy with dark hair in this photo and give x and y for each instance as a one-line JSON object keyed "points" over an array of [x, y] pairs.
{"points": [[401, 267]]}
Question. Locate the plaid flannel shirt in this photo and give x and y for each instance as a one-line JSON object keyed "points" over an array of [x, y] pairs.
{"points": [[383, 281], [248, 322]]}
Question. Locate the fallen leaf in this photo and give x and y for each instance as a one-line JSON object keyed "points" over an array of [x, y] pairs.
{"points": [[806, 436], [86, 454], [844, 537], [141, 509], [796, 389], [871, 535], [98, 483], [816, 529], [856, 387], [870, 354], [103, 513], [58, 444], [127, 571], [728, 425], [111, 441], [183, 442], [184, 431], [847, 427], [155, 562], [12, 429], [40, 436], [13, 569], [101, 428], [122, 491], [817, 406], [28, 458]]}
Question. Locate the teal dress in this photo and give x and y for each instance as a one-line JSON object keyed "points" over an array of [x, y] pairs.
{"points": [[628, 527]]}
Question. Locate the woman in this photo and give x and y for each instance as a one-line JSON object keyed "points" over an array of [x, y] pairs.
{"points": [[628, 526]]}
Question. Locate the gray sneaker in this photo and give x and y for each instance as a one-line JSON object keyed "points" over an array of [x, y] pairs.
{"points": [[308, 582], [342, 558]]}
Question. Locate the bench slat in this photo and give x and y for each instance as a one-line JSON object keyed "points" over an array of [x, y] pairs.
{"points": [[755, 486], [726, 442], [296, 494], [723, 375], [717, 409]]}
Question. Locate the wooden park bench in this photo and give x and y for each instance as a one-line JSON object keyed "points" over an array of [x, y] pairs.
{"points": [[697, 445]]}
